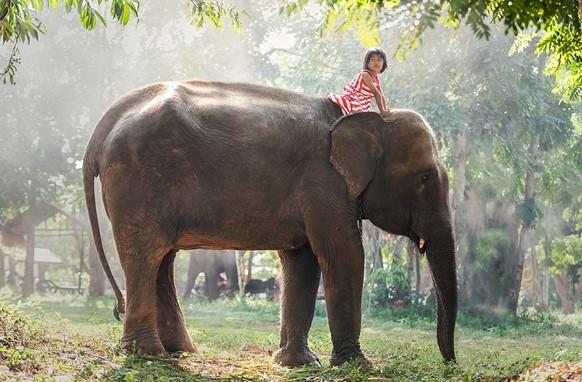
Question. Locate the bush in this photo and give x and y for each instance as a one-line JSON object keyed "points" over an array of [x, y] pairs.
{"points": [[17, 336]]}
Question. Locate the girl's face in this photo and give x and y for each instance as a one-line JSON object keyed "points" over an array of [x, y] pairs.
{"points": [[375, 63]]}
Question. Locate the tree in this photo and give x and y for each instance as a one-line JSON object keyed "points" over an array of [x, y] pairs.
{"points": [[567, 270], [19, 22], [495, 115], [49, 114], [556, 24]]}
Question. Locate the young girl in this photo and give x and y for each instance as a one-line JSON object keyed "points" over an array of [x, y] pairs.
{"points": [[357, 95]]}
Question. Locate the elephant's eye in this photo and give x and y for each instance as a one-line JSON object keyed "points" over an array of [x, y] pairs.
{"points": [[424, 178]]}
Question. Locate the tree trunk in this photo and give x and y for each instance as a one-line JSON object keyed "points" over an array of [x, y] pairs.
{"points": [[240, 269], [459, 167], [377, 262], [2, 269], [12, 272], [457, 204], [28, 282], [193, 272], [231, 270], [250, 266], [80, 244], [546, 274], [411, 264], [96, 274], [578, 289], [417, 274], [516, 270], [536, 290], [561, 284], [400, 287]]}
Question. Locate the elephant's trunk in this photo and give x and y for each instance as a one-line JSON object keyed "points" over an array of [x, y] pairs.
{"points": [[441, 258]]}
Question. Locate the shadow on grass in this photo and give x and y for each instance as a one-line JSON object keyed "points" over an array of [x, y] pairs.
{"points": [[155, 369], [209, 369]]}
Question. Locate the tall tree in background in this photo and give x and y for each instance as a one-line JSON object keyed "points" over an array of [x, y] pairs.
{"points": [[557, 24], [20, 21], [498, 110], [71, 78], [554, 24]]}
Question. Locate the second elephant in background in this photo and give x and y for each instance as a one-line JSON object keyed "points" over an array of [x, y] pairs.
{"points": [[270, 287], [212, 264]]}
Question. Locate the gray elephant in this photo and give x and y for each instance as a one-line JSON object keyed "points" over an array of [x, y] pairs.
{"points": [[212, 264], [236, 166]]}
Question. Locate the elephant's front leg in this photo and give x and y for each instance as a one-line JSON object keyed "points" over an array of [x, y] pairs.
{"points": [[299, 290], [171, 328], [340, 254]]}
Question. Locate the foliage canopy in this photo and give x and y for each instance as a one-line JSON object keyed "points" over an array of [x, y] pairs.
{"points": [[555, 26], [19, 22]]}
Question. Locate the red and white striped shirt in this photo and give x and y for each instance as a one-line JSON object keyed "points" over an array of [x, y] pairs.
{"points": [[356, 96]]}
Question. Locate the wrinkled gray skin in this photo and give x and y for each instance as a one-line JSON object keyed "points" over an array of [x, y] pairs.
{"points": [[212, 264], [236, 166]]}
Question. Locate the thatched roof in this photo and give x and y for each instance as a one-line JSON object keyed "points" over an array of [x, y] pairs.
{"points": [[14, 231], [41, 255]]}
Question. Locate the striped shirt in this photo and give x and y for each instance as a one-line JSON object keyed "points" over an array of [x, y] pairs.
{"points": [[356, 96]]}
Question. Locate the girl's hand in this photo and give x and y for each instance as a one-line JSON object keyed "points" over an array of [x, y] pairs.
{"points": [[381, 102], [379, 97]]}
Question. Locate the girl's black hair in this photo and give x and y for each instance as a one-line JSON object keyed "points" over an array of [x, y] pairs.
{"points": [[368, 56]]}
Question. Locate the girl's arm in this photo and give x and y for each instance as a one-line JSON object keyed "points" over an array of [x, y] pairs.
{"points": [[384, 99], [379, 97]]}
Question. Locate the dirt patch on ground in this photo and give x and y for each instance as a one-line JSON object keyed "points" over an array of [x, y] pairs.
{"points": [[554, 372]]}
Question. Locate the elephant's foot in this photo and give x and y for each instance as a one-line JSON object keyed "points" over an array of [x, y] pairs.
{"points": [[144, 346], [175, 345], [350, 355], [300, 357]]}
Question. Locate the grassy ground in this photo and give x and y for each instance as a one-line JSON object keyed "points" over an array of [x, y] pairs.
{"points": [[76, 339]]}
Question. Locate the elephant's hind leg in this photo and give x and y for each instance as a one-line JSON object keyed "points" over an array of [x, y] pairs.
{"points": [[170, 322], [140, 333], [299, 290]]}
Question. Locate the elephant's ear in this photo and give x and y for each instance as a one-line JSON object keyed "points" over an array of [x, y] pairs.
{"points": [[355, 149]]}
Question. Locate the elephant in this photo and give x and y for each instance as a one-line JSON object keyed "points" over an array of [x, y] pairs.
{"points": [[212, 165], [269, 286], [212, 264]]}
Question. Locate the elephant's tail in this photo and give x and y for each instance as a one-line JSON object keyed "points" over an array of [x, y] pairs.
{"points": [[89, 186]]}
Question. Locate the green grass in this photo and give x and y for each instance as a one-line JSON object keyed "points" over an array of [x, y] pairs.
{"points": [[77, 339]]}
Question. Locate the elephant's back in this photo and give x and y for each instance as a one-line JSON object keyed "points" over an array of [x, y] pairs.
{"points": [[209, 121], [227, 108], [248, 112], [116, 114]]}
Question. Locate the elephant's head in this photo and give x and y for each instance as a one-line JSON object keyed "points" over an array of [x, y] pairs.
{"points": [[392, 165]]}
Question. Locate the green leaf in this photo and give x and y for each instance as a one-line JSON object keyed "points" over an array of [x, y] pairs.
{"points": [[37, 4], [134, 6], [68, 5], [124, 19], [101, 18]]}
